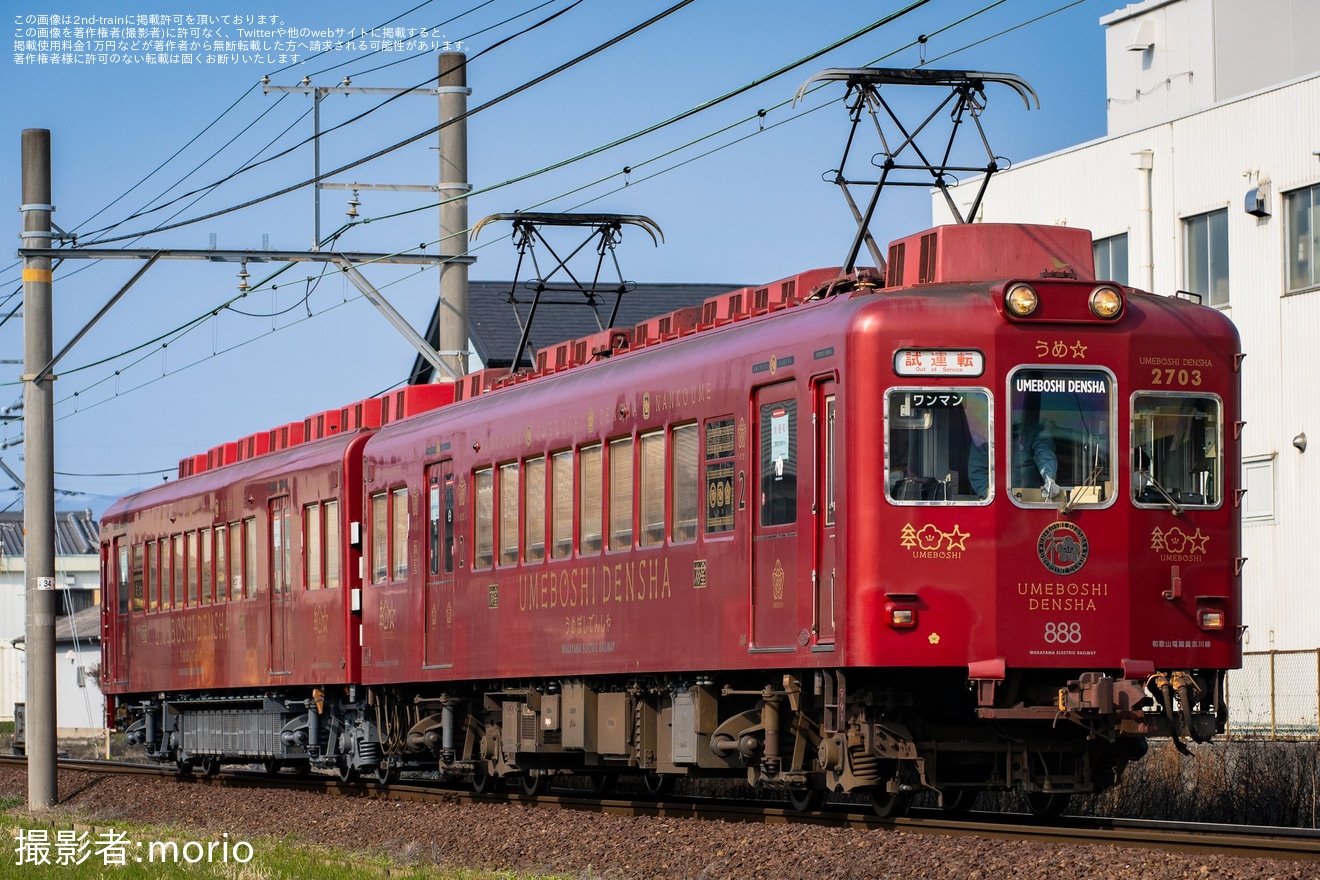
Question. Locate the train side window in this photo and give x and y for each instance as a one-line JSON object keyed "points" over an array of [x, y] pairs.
{"points": [[1060, 437], [508, 490], [683, 483], [534, 510], [590, 499], [180, 566], [250, 557], [719, 465], [1177, 443], [779, 463], [121, 591], [561, 501], [483, 543], [190, 564], [207, 572], [139, 599], [236, 554], [938, 447], [312, 546], [221, 564], [621, 493], [399, 533], [153, 576], [651, 488], [333, 545], [380, 525]]}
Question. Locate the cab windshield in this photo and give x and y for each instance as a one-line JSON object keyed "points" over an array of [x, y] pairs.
{"points": [[1175, 450], [1060, 443]]}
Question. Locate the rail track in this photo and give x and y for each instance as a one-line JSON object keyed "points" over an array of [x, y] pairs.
{"points": [[1182, 837]]}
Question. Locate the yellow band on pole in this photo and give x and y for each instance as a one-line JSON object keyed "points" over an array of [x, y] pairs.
{"points": [[36, 275]]}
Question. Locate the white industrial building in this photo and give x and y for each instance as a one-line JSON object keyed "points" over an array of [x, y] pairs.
{"points": [[80, 706], [1209, 182]]}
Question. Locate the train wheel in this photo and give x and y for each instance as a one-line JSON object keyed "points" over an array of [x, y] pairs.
{"points": [[890, 804], [807, 800], [272, 767], [347, 772], [483, 782], [534, 786], [210, 766], [603, 783], [958, 801], [185, 767], [301, 769], [1047, 805], [658, 784], [386, 774]]}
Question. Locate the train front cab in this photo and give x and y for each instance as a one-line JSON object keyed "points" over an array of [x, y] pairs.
{"points": [[1059, 524]]}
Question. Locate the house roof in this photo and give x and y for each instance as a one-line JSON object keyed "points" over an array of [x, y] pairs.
{"points": [[495, 322], [77, 533], [85, 624]]}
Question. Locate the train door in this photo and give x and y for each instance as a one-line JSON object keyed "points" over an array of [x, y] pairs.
{"points": [[281, 574], [114, 564], [823, 580], [779, 482], [439, 610]]}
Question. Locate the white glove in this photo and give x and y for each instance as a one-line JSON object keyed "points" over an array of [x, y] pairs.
{"points": [[1050, 489]]}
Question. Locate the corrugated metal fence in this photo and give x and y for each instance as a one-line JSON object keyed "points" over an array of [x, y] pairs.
{"points": [[1275, 695]]}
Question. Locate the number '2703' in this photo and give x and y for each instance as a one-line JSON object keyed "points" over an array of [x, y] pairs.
{"points": [[1170, 376]]}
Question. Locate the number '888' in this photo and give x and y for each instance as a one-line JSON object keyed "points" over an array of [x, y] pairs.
{"points": [[1063, 633]]}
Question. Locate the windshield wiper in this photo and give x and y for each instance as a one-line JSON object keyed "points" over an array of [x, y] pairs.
{"points": [[1077, 491], [1177, 508]]}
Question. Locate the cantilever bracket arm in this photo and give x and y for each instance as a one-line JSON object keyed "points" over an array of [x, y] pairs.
{"points": [[551, 219], [900, 76], [398, 321]]}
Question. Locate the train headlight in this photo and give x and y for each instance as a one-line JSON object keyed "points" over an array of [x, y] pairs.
{"points": [[1021, 300], [1106, 303], [1211, 618]]}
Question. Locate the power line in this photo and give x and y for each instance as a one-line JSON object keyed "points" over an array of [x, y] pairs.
{"points": [[363, 161]]}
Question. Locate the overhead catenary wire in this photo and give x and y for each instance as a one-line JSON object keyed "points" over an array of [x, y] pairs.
{"points": [[667, 153], [297, 186], [642, 163]]}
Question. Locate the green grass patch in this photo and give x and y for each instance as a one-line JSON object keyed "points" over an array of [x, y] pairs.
{"points": [[41, 848]]}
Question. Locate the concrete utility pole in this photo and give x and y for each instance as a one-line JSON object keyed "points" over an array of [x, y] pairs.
{"points": [[39, 473], [453, 214]]}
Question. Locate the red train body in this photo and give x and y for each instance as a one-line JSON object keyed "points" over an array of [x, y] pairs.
{"points": [[971, 526]]}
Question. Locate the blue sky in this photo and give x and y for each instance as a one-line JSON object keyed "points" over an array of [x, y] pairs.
{"points": [[744, 205]]}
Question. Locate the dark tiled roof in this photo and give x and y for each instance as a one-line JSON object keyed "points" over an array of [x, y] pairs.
{"points": [[86, 624], [494, 328], [77, 533]]}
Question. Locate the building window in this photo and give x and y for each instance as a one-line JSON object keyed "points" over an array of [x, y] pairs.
{"points": [[1111, 258], [1303, 237], [1258, 480], [1205, 256]]}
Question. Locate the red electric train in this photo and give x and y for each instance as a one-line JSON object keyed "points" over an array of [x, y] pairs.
{"points": [[972, 525]]}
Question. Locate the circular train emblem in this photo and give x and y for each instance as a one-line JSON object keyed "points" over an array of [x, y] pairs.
{"points": [[1063, 547]]}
